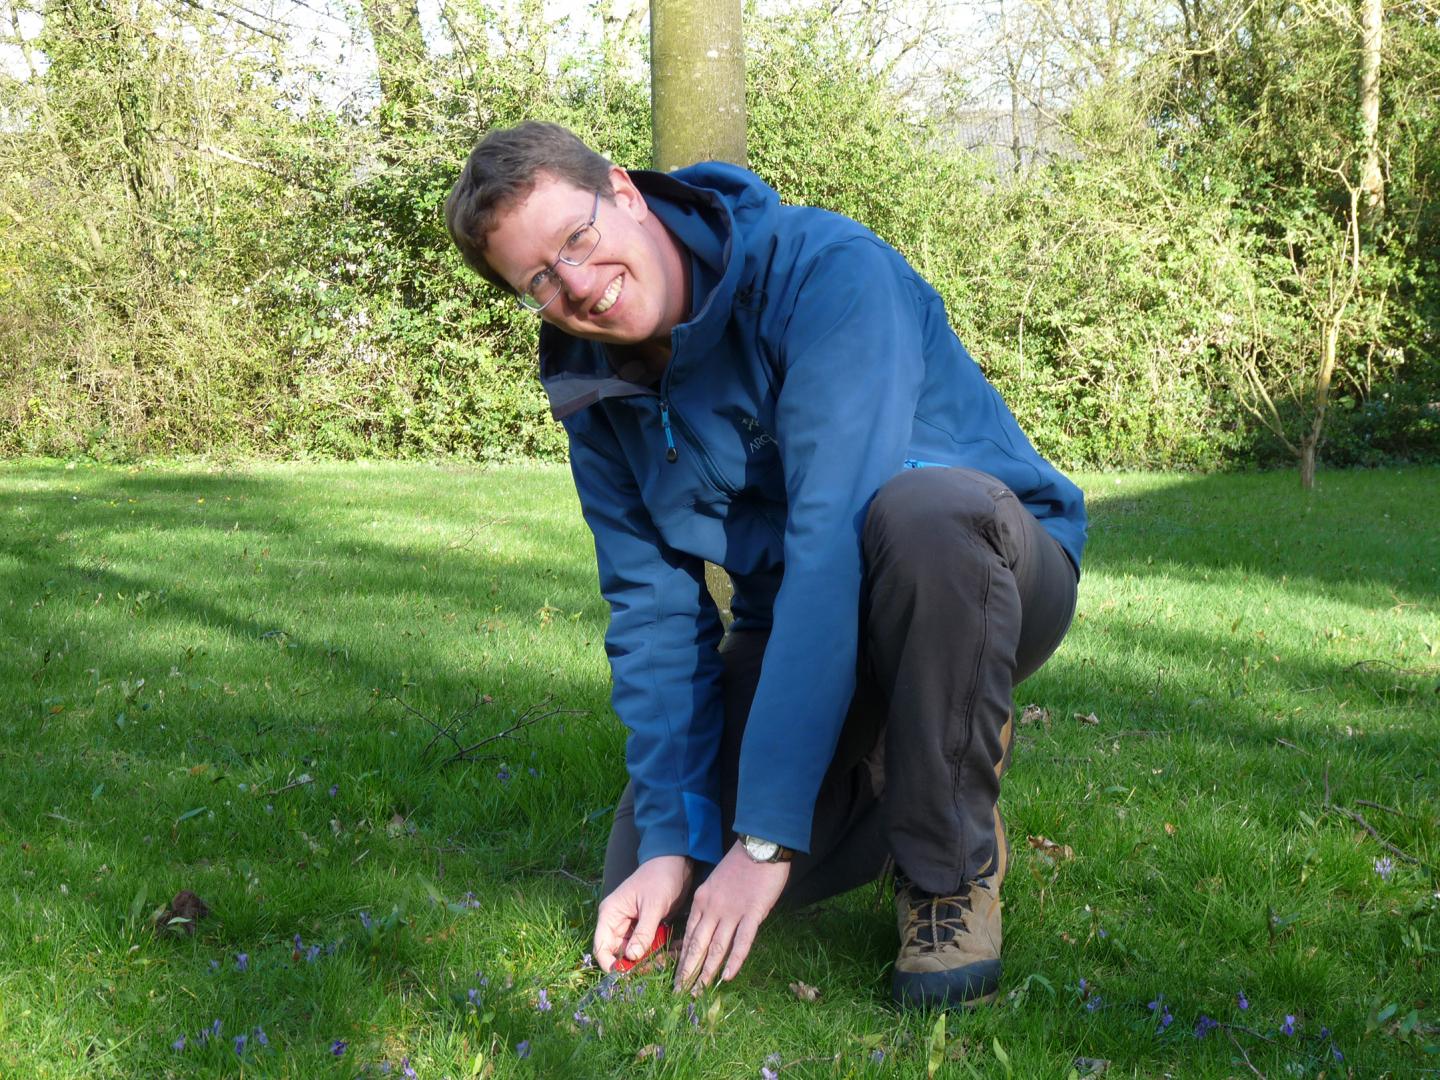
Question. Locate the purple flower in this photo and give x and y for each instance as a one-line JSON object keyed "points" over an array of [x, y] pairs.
{"points": [[1103, 933], [312, 954], [773, 1059], [522, 1049], [1385, 867], [405, 1069], [365, 920], [298, 943], [587, 962], [1204, 1026], [580, 1018], [504, 774], [877, 1056], [260, 1037], [693, 1015], [1335, 1052], [474, 996], [544, 1003], [214, 965], [334, 790], [1242, 1001], [178, 1045], [242, 961], [767, 1073], [534, 772], [240, 1041], [338, 1047], [1288, 1028], [1083, 985], [1093, 1003]]}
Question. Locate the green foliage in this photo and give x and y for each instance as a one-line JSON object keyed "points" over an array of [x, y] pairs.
{"points": [[202, 261]]}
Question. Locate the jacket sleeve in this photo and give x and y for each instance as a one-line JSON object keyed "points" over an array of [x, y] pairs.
{"points": [[662, 643], [851, 350]]}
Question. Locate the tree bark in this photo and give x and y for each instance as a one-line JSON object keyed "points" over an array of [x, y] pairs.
{"points": [[697, 82], [400, 50], [1372, 179]]}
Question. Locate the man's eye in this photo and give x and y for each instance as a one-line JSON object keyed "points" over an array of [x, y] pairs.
{"points": [[576, 239], [538, 281]]}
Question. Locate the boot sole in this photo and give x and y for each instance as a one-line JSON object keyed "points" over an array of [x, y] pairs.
{"points": [[975, 984]]}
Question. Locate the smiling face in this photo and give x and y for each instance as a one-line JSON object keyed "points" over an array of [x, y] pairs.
{"points": [[630, 291]]}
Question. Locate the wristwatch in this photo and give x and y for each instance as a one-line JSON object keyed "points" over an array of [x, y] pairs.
{"points": [[767, 851]]}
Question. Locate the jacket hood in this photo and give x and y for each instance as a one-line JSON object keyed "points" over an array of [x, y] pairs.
{"points": [[722, 215]]}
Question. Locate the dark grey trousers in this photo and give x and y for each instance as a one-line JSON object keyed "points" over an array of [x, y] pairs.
{"points": [[966, 595]]}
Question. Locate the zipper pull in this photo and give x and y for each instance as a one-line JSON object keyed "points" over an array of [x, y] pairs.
{"points": [[670, 453]]}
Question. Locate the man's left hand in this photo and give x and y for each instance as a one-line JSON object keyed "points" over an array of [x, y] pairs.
{"points": [[725, 916]]}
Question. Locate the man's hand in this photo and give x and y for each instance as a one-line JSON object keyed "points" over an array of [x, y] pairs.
{"points": [[726, 915], [629, 916]]}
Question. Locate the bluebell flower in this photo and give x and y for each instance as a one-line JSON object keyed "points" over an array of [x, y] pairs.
{"points": [[1335, 1052], [312, 954], [365, 920], [338, 1047], [1242, 1001], [405, 1069], [580, 1018], [474, 996], [1094, 1002], [504, 774], [260, 1037], [1204, 1026], [544, 1003], [877, 1056], [767, 1073], [334, 790], [178, 1045], [240, 1041], [242, 961], [522, 1049], [1385, 867], [1288, 1027], [694, 1016], [587, 962], [214, 965]]}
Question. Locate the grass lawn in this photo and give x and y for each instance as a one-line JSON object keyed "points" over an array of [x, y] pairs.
{"points": [[244, 682]]}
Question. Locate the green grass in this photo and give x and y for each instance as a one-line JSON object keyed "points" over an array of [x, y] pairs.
{"points": [[182, 645]]}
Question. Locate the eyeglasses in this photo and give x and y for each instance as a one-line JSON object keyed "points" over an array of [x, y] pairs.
{"points": [[546, 285]]}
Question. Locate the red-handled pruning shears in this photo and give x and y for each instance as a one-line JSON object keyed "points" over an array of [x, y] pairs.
{"points": [[623, 966]]}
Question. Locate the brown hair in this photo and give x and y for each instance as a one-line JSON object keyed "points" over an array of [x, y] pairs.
{"points": [[502, 170]]}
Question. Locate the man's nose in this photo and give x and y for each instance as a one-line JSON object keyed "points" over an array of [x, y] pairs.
{"points": [[576, 281]]}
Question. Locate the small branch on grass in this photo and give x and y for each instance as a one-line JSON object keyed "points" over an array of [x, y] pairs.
{"points": [[1359, 819], [527, 718], [305, 778], [1243, 1055], [573, 877], [1393, 667], [1291, 745], [1378, 806], [439, 730]]}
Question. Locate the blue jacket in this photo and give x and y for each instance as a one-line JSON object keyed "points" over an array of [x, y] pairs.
{"points": [[817, 365]]}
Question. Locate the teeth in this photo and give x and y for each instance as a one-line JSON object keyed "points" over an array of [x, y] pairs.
{"points": [[611, 295]]}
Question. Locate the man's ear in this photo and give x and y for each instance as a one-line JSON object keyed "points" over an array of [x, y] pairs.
{"points": [[627, 195]]}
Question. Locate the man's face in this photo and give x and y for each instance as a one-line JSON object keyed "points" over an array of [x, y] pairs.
{"points": [[629, 291]]}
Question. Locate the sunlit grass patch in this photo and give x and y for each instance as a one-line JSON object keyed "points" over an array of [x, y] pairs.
{"points": [[246, 683]]}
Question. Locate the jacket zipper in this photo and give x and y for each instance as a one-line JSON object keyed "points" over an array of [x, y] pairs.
{"points": [[671, 455]]}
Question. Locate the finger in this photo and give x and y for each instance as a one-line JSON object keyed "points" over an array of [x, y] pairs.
{"points": [[612, 924], [715, 955], [740, 947], [697, 942], [643, 932]]}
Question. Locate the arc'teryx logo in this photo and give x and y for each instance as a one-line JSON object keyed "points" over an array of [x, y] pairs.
{"points": [[756, 436]]}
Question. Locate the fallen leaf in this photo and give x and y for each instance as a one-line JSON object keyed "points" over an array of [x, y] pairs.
{"points": [[652, 1050], [804, 991], [1034, 714], [1049, 847], [1087, 718], [1091, 1066], [1169, 829], [181, 914]]}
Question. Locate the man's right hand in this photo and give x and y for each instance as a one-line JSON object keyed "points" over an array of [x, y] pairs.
{"points": [[629, 916]]}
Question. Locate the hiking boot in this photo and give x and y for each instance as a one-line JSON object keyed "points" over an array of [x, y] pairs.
{"points": [[950, 945]]}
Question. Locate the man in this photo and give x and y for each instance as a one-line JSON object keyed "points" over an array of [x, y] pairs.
{"points": [[775, 390]]}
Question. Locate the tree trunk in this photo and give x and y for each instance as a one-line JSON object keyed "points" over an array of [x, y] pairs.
{"points": [[697, 82], [400, 50], [1372, 180]]}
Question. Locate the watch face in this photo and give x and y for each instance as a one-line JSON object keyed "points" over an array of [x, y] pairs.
{"points": [[761, 850]]}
